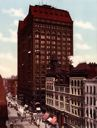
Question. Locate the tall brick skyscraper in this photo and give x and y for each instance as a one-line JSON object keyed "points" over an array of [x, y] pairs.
{"points": [[45, 32]]}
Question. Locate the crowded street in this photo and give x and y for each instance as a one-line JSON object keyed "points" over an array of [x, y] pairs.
{"points": [[19, 117]]}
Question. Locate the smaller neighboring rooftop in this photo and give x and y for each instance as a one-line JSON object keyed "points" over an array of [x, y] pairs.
{"points": [[3, 102], [2, 93]]}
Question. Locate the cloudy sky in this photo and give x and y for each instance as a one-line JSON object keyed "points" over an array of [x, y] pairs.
{"points": [[83, 13]]}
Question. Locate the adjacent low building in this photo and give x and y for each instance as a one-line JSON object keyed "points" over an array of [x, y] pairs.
{"points": [[57, 90], [55, 97], [65, 95], [91, 103], [3, 105], [11, 85], [74, 118]]}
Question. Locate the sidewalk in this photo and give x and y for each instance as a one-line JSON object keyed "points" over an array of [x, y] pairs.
{"points": [[20, 122], [21, 118]]}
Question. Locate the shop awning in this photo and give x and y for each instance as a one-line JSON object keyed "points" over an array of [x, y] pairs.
{"points": [[52, 120], [49, 119]]}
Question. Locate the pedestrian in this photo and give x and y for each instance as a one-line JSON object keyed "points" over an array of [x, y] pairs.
{"points": [[11, 125], [32, 118], [57, 125], [38, 125]]}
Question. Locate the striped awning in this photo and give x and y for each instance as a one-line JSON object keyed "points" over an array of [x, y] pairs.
{"points": [[52, 120]]}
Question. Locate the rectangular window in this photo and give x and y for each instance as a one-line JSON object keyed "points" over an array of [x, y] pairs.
{"points": [[37, 36], [94, 90], [90, 100], [42, 42], [57, 103], [61, 98], [87, 100], [94, 100], [61, 105], [56, 96], [42, 36], [90, 89], [56, 89], [87, 89]]}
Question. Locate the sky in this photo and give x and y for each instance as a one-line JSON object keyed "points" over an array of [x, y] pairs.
{"points": [[84, 16]]}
